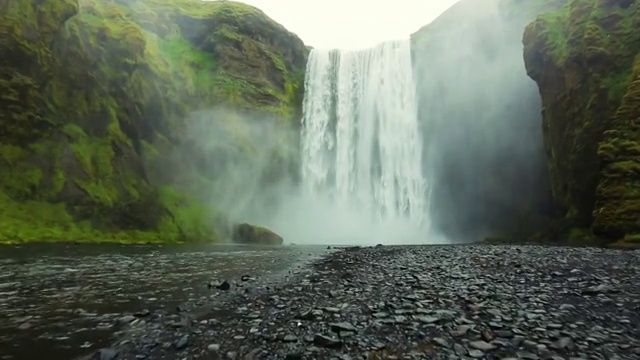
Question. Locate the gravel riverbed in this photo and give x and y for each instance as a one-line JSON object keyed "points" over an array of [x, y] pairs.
{"points": [[60, 301], [412, 302]]}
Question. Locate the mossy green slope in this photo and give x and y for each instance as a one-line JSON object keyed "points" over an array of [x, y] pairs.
{"points": [[584, 58], [96, 93]]}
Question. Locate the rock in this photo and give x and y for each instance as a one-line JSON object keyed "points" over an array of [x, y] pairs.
{"points": [[290, 338], [442, 342], [253, 354], [224, 286], [306, 314], [213, 347], [343, 326], [460, 330], [487, 311], [326, 341], [563, 343], [595, 290], [481, 345], [427, 319], [254, 235], [577, 170], [142, 313], [126, 319], [182, 343], [155, 95], [107, 354]]}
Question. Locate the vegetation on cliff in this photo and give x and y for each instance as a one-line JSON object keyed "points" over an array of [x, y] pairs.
{"points": [[585, 60], [97, 95]]}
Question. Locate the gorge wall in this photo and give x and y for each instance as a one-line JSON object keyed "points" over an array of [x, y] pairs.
{"points": [[481, 123], [160, 120], [124, 119], [584, 58]]}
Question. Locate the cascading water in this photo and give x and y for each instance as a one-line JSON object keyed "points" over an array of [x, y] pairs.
{"points": [[361, 145]]}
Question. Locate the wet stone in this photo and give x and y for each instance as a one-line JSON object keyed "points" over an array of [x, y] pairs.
{"points": [[481, 345], [343, 326], [326, 341], [290, 338], [470, 302], [182, 343]]}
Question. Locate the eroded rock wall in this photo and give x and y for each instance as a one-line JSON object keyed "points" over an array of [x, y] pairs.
{"points": [[584, 58], [480, 116], [97, 96]]}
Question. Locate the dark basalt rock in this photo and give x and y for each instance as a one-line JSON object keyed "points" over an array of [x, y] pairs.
{"points": [[254, 235]]}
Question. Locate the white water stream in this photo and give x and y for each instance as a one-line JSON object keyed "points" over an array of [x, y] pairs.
{"points": [[361, 144]]}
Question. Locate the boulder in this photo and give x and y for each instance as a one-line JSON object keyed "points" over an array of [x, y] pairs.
{"points": [[254, 235]]}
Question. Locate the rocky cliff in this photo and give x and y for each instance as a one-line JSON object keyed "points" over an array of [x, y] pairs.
{"points": [[480, 116], [101, 103], [585, 60]]}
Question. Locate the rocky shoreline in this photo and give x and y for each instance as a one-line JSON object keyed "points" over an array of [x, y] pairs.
{"points": [[413, 302]]}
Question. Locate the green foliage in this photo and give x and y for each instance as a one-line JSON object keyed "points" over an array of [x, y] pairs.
{"points": [[617, 83], [584, 58], [189, 216], [34, 221], [92, 106], [579, 234], [555, 32]]}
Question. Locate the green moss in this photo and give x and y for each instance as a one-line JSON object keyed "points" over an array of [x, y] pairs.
{"points": [[582, 57], [33, 221], [189, 216], [149, 151], [632, 238], [579, 233], [196, 67], [617, 84], [12, 154], [92, 107], [555, 33]]}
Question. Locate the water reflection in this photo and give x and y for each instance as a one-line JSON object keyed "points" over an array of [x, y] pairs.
{"points": [[58, 301]]}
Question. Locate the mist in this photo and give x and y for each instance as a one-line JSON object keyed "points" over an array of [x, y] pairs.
{"points": [[361, 179], [481, 123], [434, 141], [247, 167], [309, 219], [242, 164]]}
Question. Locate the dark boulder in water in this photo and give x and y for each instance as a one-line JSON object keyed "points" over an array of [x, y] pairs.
{"points": [[254, 235]]}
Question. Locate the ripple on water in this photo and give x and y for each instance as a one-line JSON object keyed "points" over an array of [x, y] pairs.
{"points": [[61, 302]]}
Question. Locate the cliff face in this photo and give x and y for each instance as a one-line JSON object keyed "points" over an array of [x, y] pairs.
{"points": [[584, 58], [480, 117], [98, 96]]}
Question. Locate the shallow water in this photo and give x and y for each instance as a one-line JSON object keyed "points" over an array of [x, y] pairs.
{"points": [[61, 301]]}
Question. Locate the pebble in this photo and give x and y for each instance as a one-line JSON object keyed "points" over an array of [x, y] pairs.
{"points": [[449, 302]]}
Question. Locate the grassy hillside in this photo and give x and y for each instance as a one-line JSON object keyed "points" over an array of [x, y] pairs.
{"points": [[97, 97]]}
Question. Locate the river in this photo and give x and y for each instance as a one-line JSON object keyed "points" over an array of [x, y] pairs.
{"points": [[62, 301]]}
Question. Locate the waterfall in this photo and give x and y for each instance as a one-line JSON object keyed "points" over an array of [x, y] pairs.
{"points": [[361, 142]]}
